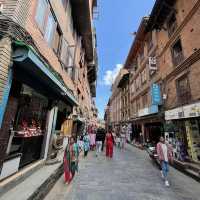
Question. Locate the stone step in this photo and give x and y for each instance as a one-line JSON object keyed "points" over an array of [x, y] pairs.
{"points": [[37, 185], [10, 182]]}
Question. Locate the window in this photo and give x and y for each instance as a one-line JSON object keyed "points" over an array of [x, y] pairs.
{"points": [[81, 62], [142, 53], [135, 64], [183, 90], [138, 104], [64, 52], [41, 14], [149, 42], [50, 29], [138, 82], [144, 75], [172, 24], [57, 41], [145, 100], [177, 53]]}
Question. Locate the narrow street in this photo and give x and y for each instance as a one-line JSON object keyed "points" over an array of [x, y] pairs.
{"points": [[129, 176]]}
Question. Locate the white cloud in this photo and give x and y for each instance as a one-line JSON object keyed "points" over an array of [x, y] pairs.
{"points": [[110, 75]]}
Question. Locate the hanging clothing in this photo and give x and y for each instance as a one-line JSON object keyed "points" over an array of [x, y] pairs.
{"points": [[109, 145], [66, 128]]}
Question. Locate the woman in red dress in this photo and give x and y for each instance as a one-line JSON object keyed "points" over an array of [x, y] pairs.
{"points": [[109, 144]]}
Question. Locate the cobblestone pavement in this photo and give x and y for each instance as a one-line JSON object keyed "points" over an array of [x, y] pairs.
{"points": [[130, 175]]}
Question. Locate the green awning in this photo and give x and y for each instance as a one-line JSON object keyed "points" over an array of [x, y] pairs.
{"points": [[29, 60]]}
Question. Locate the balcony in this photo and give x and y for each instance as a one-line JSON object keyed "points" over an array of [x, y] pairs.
{"points": [[81, 15]]}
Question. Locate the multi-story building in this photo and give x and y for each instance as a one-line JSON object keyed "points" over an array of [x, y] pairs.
{"points": [[163, 65], [118, 111], [48, 70], [107, 116], [145, 80], [179, 60]]}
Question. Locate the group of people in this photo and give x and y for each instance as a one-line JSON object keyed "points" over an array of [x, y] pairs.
{"points": [[84, 143], [73, 148]]}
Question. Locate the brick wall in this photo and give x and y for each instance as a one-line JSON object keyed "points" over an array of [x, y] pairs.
{"points": [[188, 14]]}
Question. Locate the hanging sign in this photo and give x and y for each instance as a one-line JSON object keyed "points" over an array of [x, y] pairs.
{"points": [[155, 94], [152, 63]]}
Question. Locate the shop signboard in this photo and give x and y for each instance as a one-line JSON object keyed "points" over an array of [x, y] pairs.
{"points": [[153, 109], [155, 94], [188, 111], [143, 112], [152, 63], [148, 111]]}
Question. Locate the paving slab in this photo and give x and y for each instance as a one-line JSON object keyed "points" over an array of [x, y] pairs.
{"points": [[130, 175]]}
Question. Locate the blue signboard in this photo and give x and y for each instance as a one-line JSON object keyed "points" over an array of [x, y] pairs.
{"points": [[153, 109], [155, 94]]}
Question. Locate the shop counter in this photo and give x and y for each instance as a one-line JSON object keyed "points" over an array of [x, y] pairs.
{"points": [[29, 146]]}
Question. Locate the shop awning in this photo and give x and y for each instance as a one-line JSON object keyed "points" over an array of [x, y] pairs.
{"points": [[28, 60]]}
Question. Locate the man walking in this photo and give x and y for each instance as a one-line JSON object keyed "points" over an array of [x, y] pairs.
{"points": [[99, 141], [164, 151]]}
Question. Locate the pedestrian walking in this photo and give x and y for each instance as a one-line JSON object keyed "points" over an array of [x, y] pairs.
{"points": [[100, 137], [109, 144], [86, 144], [103, 138], [70, 160], [122, 141], [118, 140], [164, 151]]}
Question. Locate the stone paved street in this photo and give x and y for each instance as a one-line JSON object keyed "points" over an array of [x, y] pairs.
{"points": [[129, 176]]}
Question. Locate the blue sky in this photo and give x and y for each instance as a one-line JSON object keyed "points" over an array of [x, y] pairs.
{"points": [[117, 20]]}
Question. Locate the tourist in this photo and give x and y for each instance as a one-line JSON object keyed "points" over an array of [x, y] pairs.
{"points": [[100, 137], [70, 160], [86, 144], [109, 144], [165, 156]]}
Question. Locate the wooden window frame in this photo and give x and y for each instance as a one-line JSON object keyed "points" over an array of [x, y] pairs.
{"points": [[58, 50], [42, 26], [177, 60], [186, 94]]}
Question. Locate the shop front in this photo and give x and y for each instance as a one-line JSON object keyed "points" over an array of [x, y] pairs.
{"points": [[183, 130], [151, 125], [31, 112]]}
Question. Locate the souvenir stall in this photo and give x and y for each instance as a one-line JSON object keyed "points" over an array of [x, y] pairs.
{"points": [[29, 125], [183, 130]]}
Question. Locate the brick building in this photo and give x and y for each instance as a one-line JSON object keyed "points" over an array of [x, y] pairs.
{"points": [[163, 64], [48, 70], [179, 60], [145, 109]]}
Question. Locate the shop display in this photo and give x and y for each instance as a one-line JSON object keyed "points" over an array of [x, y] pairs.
{"points": [[193, 138], [29, 125]]}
